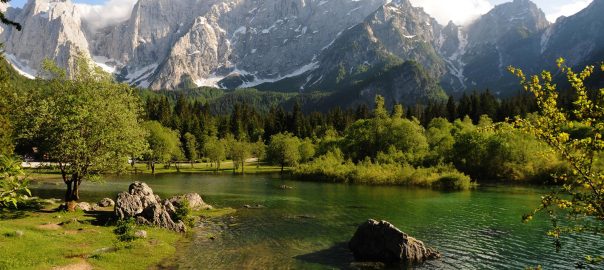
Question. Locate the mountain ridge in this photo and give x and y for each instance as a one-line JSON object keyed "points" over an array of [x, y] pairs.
{"points": [[298, 45]]}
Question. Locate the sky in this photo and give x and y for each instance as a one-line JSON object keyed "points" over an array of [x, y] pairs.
{"points": [[459, 11]]}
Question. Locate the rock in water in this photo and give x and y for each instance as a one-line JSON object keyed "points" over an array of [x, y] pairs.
{"points": [[382, 242], [106, 202], [194, 200], [141, 204]]}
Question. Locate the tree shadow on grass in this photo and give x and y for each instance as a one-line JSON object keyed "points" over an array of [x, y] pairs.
{"points": [[101, 218], [23, 210]]}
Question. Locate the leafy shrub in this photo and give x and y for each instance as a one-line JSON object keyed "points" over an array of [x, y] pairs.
{"points": [[13, 188], [184, 213], [125, 230], [453, 181]]}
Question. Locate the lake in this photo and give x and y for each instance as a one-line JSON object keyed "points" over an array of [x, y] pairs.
{"points": [[308, 226]]}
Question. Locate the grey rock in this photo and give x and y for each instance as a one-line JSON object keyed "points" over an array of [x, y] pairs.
{"points": [[194, 200], [143, 205], [382, 242], [84, 206], [106, 202], [141, 234]]}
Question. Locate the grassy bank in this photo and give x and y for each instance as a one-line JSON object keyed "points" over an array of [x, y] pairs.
{"points": [[332, 168], [42, 238]]}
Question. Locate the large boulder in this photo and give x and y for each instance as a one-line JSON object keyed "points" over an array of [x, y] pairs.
{"points": [[194, 200], [145, 207], [382, 242]]}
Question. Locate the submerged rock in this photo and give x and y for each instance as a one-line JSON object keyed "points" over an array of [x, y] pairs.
{"points": [[382, 242], [141, 204]]}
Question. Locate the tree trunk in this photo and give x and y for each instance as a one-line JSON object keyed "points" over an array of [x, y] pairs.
{"points": [[243, 166], [72, 195], [282, 165], [192, 164], [152, 167]]}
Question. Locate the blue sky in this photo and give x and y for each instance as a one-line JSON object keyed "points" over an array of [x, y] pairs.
{"points": [[20, 3], [443, 10]]}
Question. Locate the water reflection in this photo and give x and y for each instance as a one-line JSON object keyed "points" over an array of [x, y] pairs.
{"points": [[308, 226]]}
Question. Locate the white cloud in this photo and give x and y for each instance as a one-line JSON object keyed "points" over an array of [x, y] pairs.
{"points": [[110, 13], [458, 11], [567, 9]]}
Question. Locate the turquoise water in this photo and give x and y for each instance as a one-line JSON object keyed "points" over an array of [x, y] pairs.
{"points": [[307, 227]]}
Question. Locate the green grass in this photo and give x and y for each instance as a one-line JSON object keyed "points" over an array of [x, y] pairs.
{"points": [[53, 175], [225, 167], [50, 239]]}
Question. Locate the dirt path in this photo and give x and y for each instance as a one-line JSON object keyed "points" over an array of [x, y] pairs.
{"points": [[81, 265]]}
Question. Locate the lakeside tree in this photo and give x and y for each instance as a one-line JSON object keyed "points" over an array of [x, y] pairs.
{"points": [[284, 149], [214, 149], [88, 124], [367, 138], [240, 152], [580, 199], [191, 148], [259, 151], [163, 142], [307, 150]]}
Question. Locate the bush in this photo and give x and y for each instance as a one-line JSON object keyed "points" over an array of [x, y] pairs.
{"points": [[13, 187], [125, 230], [332, 167], [453, 181], [184, 213]]}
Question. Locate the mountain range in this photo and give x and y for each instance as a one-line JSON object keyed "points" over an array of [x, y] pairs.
{"points": [[354, 48]]}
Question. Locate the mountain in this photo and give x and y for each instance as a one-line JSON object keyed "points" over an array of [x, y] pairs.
{"points": [[346, 47], [579, 38], [507, 35], [54, 31]]}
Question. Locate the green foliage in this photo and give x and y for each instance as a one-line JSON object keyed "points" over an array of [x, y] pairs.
{"points": [[284, 150], [184, 213], [368, 138], [163, 142], [214, 149], [88, 124], [240, 151], [333, 167], [191, 147], [307, 150], [501, 153], [580, 199], [13, 185], [125, 230]]}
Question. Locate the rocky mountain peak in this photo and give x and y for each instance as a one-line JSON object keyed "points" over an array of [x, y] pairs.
{"points": [[51, 29]]}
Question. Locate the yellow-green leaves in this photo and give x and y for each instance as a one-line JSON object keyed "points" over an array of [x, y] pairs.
{"points": [[581, 198]]}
